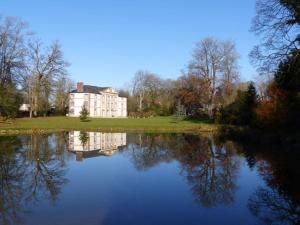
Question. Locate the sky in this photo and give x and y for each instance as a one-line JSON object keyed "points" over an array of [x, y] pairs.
{"points": [[106, 42]]}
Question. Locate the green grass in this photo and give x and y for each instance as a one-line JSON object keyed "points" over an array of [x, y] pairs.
{"points": [[105, 124]]}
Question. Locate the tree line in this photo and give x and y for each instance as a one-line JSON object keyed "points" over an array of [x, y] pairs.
{"points": [[210, 80], [277, 57], [30, 71], [210, 85]]}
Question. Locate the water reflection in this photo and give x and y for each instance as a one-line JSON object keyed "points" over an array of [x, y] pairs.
{"points": [[34, 169], [273, 207], [12, 172], [210, 170], [278, 203], [92, 144]]}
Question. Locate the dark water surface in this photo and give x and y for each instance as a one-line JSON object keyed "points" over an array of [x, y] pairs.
{"points": [[117, 178]]}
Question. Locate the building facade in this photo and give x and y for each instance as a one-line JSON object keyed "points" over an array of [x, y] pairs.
{"points": [[99, 101]]}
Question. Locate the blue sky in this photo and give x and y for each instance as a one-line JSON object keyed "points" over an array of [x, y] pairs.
{"points": [[106, 42]]}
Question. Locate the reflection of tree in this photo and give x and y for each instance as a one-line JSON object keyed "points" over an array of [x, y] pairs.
{"points": [[30, 169], [209, 170], [273, 208], [45, 175], [12, 172], [149, 150], [61, 140], [83, 137], [278, 202]]}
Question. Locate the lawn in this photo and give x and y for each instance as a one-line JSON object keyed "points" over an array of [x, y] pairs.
{"points": [[158, 124]]}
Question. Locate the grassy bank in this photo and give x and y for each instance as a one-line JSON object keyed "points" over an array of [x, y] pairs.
{"points": [[155, 124]]}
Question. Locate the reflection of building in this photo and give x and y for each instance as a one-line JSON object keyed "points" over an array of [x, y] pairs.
{"points": [[91, 144], [99, 101]]}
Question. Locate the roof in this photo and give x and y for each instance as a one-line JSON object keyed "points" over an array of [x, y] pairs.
{"points": [[90, 89], [123, 95]]}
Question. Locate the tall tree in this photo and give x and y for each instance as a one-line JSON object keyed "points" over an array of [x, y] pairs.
{"points": [[229, 70], [247, 110], [138, 88], [13, 50], [146, 87], [278, 23], [206, 63], [215, 62], [45, 66], [61, 96], [287, 79]]}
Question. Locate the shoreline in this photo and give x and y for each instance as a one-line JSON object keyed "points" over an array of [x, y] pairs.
{"points": [[13, 131], [158, 124]]}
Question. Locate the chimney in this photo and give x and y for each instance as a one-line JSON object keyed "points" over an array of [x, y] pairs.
{"points": [[79, 156], [80, 87]]}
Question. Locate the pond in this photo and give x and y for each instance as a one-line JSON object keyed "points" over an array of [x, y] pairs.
{"points": [[118, 178]]}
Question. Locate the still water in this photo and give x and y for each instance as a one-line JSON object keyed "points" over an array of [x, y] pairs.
{"points": [[118, 178]]}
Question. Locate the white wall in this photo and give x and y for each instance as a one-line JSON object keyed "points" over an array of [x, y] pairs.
{"points": [[100, 105], [122, 107]]}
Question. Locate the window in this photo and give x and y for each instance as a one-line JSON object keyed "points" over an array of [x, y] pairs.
{"points": [[86, 101]]}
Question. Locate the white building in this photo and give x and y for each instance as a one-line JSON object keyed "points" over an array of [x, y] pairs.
{"points": [[99, 101], [92, 144], [24, 107]]}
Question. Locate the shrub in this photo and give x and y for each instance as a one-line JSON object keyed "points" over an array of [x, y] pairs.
{"points": [[83, 114], [142, 114]]}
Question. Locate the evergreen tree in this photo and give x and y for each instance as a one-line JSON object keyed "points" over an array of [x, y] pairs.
{"points": [[287, 78], [83, 114], [10, 101], [242, 110], [249, 104]]}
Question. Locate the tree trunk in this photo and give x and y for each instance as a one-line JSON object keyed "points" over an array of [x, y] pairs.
{"points": [[35, 104], [140, 103]]}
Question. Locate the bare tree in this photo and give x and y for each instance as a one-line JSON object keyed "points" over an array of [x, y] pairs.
{"points": [[216, 63], [146, 87], [262, 84], [277, 21], [45, 66], [13, 50], [61, 96], [206, 63], [230, 71], [153, 87], [138, 88]]}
